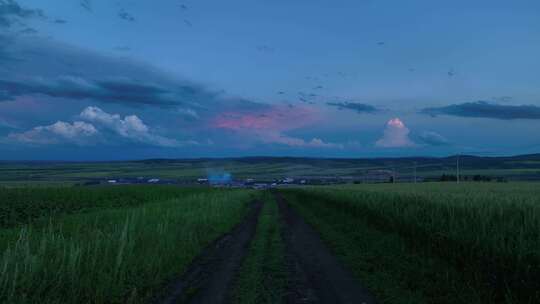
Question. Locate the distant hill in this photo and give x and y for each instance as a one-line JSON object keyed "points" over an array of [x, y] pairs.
{"points": [[520, 167]]}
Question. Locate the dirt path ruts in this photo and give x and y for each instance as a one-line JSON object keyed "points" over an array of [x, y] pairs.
{"points": [[209, 278], [316, 275]]}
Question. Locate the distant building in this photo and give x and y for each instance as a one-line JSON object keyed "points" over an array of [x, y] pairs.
{"points": [[202, 180], [288, 180]]}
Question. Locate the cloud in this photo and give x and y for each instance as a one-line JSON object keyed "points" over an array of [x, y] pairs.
{"points": [[76, 132], [77, 88], [130, 127], [48, 69], [188, 113], [354, 106], [11, 11], [125, 15], [86, 5], [274, 137], [434, 139], [396, 135], [28, 31], [7, 123], [274, 118], [96, 126], [269, 126], [483, 109]]}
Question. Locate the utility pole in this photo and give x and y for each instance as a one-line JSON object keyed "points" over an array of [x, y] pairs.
{"points": [[415, 172], [457, 168]]}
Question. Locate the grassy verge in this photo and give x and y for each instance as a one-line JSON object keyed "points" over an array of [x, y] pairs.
{"points": [[431, 244], [263, 275], [112, 255]]}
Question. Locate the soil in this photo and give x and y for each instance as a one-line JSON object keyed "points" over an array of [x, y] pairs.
{"points": [[316, 276], [209, 278]]}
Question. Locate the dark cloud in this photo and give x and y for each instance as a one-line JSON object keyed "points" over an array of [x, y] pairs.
{"points": [[10, 10], [28, 31], [125, 16], [483, 109], [434, 139], [75, 88], [60, 21], [5, 55], [48, 69], [86, 5], [354, 106]]}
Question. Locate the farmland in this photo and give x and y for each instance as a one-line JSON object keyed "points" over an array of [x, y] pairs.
{"points": [[396, 243], [111, 245], [524, 167], [433, 243]]}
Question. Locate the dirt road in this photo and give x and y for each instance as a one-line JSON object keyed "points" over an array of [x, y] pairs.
{"points": [[316, 275], [209, 278]]}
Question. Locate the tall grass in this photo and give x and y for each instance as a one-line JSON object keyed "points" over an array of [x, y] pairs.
{"points": [[22, 205], [490, 233], [113, 255]]}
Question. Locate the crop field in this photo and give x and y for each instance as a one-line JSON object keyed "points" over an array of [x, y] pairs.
{"points": [[106, 245], [433, 243], [372, 243]]}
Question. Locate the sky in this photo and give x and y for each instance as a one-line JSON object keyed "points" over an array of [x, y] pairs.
{"points": [[135, 79]]}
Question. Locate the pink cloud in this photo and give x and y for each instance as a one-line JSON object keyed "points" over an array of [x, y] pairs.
{"points": [[276, 118], [268, 126], [396, 135]]}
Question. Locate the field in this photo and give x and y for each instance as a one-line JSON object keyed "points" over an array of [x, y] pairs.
{"points": [[526, 167], [106, 245], [466, 243], [384, 243]]}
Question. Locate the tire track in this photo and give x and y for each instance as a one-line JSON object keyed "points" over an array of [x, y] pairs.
{"points": [[316, 276], [209, 278]]}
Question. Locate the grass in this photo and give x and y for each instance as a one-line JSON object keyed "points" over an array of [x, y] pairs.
{"points": [[22, 205], [433, 243], [263, 276], [121, 254]]}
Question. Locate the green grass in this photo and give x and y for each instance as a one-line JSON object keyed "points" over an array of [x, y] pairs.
{"points": [[22, 205], [122, 254], [263, 276], [433, 243]]}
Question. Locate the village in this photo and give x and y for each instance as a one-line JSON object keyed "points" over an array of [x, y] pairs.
{"points": [[221, 180]]}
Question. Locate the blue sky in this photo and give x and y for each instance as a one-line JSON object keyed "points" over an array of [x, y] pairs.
{"points": [[130, 79]]}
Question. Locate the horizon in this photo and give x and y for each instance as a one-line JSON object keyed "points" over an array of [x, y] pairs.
{"points": [[95, 80], [268, 157]]}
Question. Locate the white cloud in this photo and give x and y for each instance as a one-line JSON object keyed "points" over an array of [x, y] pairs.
{"points": [[76, 132], [396, 135], [275, 137], [130, 127]]}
